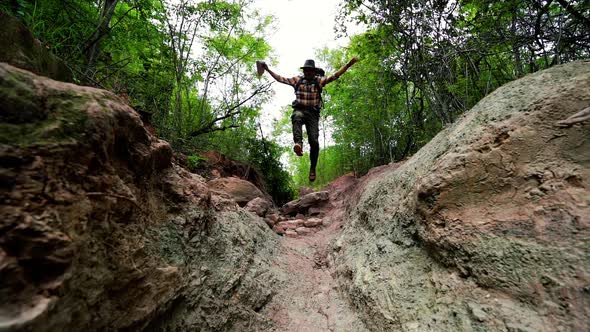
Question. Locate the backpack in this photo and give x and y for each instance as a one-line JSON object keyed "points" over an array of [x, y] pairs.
{"points": [[318, 88]]}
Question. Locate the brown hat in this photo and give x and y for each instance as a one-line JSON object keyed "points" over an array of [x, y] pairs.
{"points": [[309, 64]]}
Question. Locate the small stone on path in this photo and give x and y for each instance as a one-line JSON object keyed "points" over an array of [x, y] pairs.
{"points": [[312, 222], [291, 233], [302, 230], [279, 229]]}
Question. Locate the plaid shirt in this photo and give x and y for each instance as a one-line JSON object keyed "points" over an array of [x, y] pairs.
{"points": [[308, 94]]}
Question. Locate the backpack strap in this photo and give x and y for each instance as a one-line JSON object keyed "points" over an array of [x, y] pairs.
{"points": [[317, 85], [315, 82]]}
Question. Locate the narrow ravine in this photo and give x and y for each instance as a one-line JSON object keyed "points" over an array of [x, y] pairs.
{"points": [[308, 298]]}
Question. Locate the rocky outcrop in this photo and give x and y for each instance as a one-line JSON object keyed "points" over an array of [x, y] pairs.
{"points": [[487, 227], [99, 230], [304, 215], [217, 165], [20, 48], [239, 190], [259, 205], [302, 205]]}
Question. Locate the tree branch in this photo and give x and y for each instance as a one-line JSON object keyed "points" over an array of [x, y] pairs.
{"points": [[212, 129], [229, 112], [569, 8]]}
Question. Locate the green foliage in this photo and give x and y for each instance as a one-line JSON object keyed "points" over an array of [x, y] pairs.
{"points": [[215, 85], [424, 63], [333, 162], [194, 161], [185, 64], [265, 156], [188, 65]]}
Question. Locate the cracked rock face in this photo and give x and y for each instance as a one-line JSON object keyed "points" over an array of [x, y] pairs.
{"points": [[100, 230], [487, 227]]}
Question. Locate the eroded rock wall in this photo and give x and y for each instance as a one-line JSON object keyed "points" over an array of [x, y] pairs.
{"points": [[20, 48], [101, 230], [487, 227]]}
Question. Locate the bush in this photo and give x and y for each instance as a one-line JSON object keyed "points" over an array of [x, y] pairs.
{"points": [[194, 161], [265, 155]]}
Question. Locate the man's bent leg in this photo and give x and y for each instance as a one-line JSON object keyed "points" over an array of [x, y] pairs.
{"points": [[297, 120]]}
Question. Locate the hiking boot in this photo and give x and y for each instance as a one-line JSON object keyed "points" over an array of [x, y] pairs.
{"points": [[298, 149], [311, 176]]}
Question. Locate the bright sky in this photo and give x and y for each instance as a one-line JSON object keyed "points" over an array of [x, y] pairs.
{"points": [[303, 27]]}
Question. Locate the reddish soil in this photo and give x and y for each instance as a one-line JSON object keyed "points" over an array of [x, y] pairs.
{"points": [[309, 299]]}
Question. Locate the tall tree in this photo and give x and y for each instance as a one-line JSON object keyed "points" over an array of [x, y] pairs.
{"points": [[213, 48], [425, 62], [92, 50]]}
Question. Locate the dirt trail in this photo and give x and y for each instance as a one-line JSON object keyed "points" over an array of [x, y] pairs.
{"points": [[309, 299]]}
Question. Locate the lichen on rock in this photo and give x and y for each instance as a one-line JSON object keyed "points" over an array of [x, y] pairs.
{"points": [[486, 228], [101, 230], [492, 214]]}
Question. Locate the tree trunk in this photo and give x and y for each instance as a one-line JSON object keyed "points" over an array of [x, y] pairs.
{"points": [[516, 48], [93, 46], [178, 109]]}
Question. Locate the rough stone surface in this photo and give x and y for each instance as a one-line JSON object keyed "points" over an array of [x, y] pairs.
{"points": [[291, 233], [487, 227], [20, 48], [302, 204], [218, 165], [303, 230], [259, 205], [484, 229], [275, 217], [241, 191], [341, 187], [308, 298], [279, 228], [313, 211], [312, 222], [291, 224], [100, 231], [304, 191], [269, 222]]}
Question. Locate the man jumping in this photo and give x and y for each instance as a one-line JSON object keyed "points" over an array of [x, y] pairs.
{"points": [[307, 106]]}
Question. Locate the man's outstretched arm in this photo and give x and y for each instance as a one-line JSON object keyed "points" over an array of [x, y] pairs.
{"points": [[342, 70], [276, 76], [346, 66]]}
